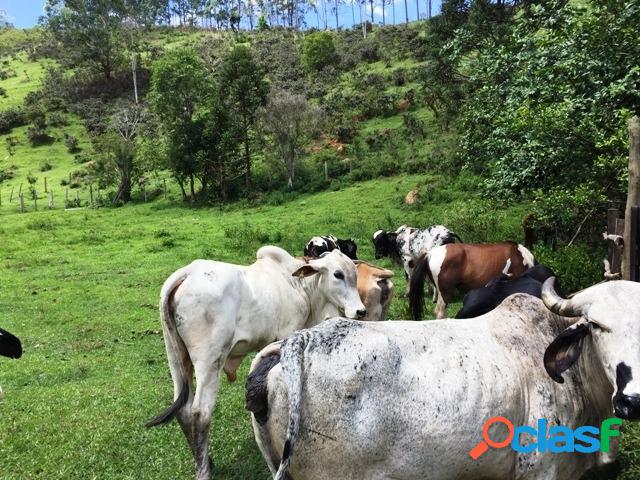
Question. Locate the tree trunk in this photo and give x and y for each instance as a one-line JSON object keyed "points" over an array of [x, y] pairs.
{"points": [[247, 156], [633, 195], [384, 22], [337, 21], [192, 188], [429, 9], [417, 10], [406, 11], [124, 190], [371, 2]]}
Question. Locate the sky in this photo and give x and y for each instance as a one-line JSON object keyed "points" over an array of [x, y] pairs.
{"points": [[25, 13]]}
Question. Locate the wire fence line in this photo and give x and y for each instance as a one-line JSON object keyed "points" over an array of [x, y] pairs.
{"points": [[23, 200]]}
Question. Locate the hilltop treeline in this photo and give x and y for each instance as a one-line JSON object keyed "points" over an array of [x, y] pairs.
{"points": [[530, 97]]}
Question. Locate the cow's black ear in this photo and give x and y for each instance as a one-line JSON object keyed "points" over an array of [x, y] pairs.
{"points": [[565, 350]]}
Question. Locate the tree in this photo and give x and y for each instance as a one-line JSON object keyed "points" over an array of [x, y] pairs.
{"points": [[180, 83], [318, 50], [290, 122], [5, 21], [243, 85], [91, 32]]}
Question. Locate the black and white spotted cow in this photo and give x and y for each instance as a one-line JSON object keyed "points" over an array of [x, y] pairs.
{"points": [[407, 244], [10, 345], [319, 245], [408, 400]]}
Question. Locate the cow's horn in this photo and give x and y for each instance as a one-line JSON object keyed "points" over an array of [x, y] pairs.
{"points": [[557, 304]]}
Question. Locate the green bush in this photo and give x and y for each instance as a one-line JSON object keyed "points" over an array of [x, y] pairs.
{"points": [[11, 118], [318, 51], [71, 143], [577, 266]]}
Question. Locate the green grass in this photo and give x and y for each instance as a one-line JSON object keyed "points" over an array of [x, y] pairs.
{"points": [[80, 288], [27, 78]]}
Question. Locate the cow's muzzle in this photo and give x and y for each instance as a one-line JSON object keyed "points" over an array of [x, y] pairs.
{"points": [[361, 314], [627, 407]]}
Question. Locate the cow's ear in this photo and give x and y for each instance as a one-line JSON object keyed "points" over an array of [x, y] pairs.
{"points": [[305, 271], [565, 350], [384, 273]]}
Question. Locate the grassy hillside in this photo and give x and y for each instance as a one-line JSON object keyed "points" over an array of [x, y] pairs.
{"points": [[81, 287]]}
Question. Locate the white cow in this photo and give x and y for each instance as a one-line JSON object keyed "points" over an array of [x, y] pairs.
{"points": [[407, 400], [214, 313]]}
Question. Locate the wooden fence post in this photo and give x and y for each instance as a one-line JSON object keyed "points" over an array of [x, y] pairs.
{"points": [[11, 196], [51, 206], [633, 195], [91, 195], [634, 271], [66, 198], [21, 203], [45, 185], [20, 190]]}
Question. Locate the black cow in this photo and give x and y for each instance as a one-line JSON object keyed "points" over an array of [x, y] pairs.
{"points": [[10, 345], [319, 245], [482, 300]]}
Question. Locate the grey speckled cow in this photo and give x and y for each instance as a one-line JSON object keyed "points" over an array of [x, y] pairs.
{"points": [[406, 400]]}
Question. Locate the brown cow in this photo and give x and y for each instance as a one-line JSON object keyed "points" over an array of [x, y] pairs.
{"points": [[375, 289], [463, 266]]}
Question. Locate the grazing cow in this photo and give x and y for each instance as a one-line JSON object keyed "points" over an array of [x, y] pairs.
{"points": [[484, 299], [376, 290], [214, 313], [407, 244], [463, 266], [10, 345], [319, 245], [406, 400]]}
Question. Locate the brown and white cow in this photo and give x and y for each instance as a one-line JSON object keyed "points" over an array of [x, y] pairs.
{"points": [[463, 267], [375, 289]]}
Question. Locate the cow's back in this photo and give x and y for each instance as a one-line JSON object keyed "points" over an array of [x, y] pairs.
{"points": [[479, 263], [406, 399]]}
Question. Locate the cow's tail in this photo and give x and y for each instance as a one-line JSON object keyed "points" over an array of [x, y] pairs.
{"points": [[177, 354], [527, 257], [292, 359], [416, 287]]}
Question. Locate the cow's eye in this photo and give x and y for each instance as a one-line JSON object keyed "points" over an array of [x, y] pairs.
{"points": [[339, 275]]}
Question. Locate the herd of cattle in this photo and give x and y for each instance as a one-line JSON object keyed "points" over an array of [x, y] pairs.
{"points": [[335, 397]]}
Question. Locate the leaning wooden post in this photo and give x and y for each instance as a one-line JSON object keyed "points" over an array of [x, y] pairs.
{"points": [[21, 203], [50, 199], [633, 195], [45, 185], [20, 190], [11, 195]]}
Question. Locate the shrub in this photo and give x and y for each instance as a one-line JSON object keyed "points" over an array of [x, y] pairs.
{"points": [[577, 266], [46, 166], [37, 135], [64, 182], [58, 119], [71, 143], [11, 118], [319, 50], [6, 174], [3, 92]]}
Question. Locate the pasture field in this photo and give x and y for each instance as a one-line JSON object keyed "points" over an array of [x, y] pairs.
{"points": [[80, 287]]}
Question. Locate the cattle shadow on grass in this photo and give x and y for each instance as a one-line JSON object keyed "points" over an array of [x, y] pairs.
{"points": [[246, 463]]}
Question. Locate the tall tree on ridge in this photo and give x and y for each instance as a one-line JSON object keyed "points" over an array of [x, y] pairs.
{"points": [[243, 84]]}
